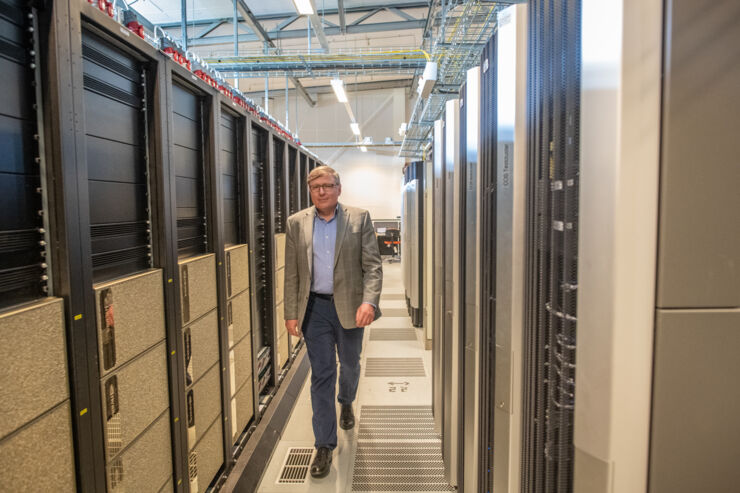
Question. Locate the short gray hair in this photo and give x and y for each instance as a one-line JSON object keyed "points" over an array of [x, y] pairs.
{"points": [[323, 171]]}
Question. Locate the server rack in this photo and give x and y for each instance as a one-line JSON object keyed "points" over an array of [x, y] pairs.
{"points": [[36, 433], [438, 309], [487, 241], [148, 140], [550, 330], [294, 204], [303, 185], [452, 426], [281, 188], [412, 245], [471, 296], [262, 313]]}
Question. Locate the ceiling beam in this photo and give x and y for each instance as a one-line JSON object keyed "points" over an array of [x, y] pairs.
{"points": [[208, 29], [262, 35], [319, 31], [401, 13], [302, 33], [342, 20], [365, 17]]}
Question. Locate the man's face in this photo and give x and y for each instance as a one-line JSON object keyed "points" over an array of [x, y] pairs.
{"points": [[325, 193]]}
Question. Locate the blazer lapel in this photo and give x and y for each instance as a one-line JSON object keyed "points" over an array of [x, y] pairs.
{"points": [[342, 222], [308, 238]]}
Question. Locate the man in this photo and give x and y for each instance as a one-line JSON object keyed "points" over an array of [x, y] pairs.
{"points": [[333, 278]]}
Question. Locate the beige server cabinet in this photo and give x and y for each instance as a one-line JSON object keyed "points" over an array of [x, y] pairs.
{"points": [[133, 380], [36, 451], [657, 400], [283, 341], [199, 314], [240, 338]]}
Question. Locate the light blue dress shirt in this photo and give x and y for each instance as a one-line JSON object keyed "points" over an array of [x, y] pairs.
{"points": [[324, 242]]}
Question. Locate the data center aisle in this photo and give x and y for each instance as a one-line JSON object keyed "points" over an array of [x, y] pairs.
{"points": [[393, 444]]}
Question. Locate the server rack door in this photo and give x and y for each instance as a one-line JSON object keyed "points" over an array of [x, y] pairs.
{"points": [[23, 262], [487, 241], [451, 427], [305, 200], [198, 287], [236, 261], [262, 308], [293, 182], [438, 211], [280, 187], [129, 298], [471, 295]]}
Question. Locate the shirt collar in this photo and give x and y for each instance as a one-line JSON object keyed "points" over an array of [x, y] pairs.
{"points": [[336, 212]]}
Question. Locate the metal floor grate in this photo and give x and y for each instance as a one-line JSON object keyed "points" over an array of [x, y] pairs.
{"points": [[395, 312], [399, 466], [295, 467], [397, 423], [394, 367], [393, 335]]}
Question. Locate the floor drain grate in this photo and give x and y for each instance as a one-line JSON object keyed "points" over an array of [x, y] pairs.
{"points": [[393, 335], [394, 367], [295, 468]]}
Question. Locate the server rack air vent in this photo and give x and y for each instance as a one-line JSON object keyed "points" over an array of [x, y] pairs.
{"points": [[394, 367], [296, 464], [187, 123], [230, 183], [116, 142], [23, 261]]}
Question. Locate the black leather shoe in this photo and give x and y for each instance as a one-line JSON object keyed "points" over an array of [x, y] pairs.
{"points": [[321, 463], [347, 417]]}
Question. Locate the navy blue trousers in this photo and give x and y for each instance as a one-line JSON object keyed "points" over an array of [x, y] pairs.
{"points": [[325, 337]]}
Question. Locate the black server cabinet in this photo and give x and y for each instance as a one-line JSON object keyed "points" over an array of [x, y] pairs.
{"points": [[294, 202], [239, 388], [280, 189], [36, 433], [303, 184], [261, 215], [487, 244], [129, 300], [197, 240], [552, 244]]}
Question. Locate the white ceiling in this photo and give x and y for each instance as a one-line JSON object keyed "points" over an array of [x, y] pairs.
{"points": [[164, 11]]}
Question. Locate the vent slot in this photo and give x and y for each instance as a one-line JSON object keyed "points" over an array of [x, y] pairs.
{"points": [[393, 335], [295, 467], [394, 367]]}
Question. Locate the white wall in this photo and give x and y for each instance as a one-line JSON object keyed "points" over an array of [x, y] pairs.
{"points": [[371, 180]]}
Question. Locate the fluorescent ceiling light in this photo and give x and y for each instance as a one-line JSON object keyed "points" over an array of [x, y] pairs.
{"points": [[304, 7], [363, 148], [355, 128], [338, 86]]}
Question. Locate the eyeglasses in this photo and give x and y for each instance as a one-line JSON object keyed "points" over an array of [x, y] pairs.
{"points": [[326, 186]]}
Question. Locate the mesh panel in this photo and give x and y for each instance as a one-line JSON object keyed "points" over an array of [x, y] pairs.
{"points": [[550, 325]]}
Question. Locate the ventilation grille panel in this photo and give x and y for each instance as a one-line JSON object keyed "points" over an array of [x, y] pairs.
{"points": [[394, 367], [393, 335], [397, 422], [295, 468]]}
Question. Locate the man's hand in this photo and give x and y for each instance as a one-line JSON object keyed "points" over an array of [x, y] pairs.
{"points": [[365, 315], [292, 326]]}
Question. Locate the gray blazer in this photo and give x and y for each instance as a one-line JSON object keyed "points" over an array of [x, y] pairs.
{"points": [[358, 269]]}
